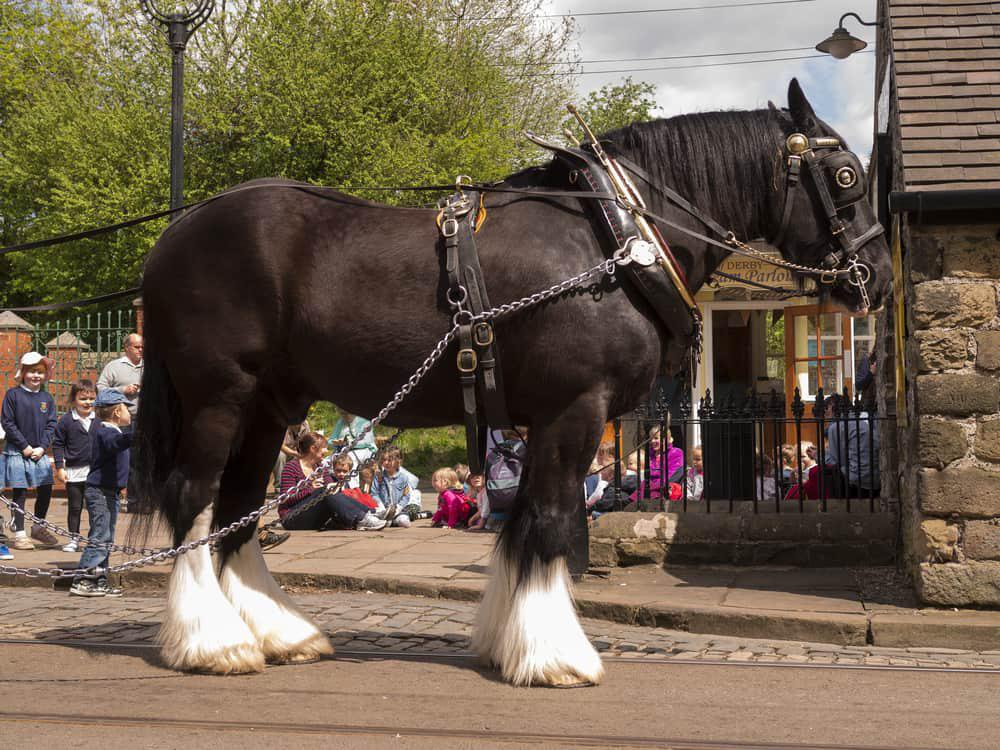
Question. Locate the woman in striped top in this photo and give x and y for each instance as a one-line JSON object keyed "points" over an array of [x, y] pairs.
{"points": [[312, 506]]}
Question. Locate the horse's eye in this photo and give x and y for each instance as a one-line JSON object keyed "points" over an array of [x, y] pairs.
{"points": [[846, 177]]}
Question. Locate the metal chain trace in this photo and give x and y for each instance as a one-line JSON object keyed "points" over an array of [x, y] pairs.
{"points": [[604, 268]]}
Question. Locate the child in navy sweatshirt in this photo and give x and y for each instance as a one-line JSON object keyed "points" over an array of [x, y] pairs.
{"points": [[71, 451], [109, 456], [28, 416]]}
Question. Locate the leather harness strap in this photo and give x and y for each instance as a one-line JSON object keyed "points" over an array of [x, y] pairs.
{"points": [[791, 181], [478, 360]]}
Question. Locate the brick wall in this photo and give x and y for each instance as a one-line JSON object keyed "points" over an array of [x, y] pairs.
{"points": [[950, 450]]}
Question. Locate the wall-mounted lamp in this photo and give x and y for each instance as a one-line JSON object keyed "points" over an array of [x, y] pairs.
{"points": [[841, 44]]}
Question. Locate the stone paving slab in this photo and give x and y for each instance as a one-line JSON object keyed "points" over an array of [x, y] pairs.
{"points": [[842, 601], [383, 623]]}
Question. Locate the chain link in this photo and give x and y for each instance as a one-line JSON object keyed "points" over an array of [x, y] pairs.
{"points": [[78, 538], [746, 249], [151, 557]]}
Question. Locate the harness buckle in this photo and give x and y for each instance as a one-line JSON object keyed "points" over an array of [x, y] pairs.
{"points": [[466, 360], [482, 334], [829, 277], [449, 227]]}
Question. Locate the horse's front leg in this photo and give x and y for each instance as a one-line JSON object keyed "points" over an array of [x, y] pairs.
{"points": [[527, 624]]}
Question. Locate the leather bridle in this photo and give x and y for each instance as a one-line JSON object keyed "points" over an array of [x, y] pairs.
{"points": [[820, 155], [827, 163]]}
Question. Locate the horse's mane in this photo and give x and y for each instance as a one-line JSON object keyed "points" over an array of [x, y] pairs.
{"points": [[723, 162]]}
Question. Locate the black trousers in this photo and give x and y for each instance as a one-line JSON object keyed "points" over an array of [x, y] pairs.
{"points": [[74, 496], [43, 494], [336, 510]]}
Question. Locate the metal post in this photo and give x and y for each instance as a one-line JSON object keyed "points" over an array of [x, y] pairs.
{"points": [[178, 41], [180, 25]]}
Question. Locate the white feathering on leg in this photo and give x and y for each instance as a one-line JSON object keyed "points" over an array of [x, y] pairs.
{"points": [[201, 630], [285, 633], [530, 630]]}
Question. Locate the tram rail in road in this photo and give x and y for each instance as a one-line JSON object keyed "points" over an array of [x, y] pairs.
{"points": [[400, 732], [416, 655]]}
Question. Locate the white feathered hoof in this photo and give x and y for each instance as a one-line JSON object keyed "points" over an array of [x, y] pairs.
{"points": [[284, 633], [530, 631], [202, 632]]}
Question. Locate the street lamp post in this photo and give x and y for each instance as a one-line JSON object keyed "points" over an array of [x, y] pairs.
{"points": [[840, 43], [180, 23]]}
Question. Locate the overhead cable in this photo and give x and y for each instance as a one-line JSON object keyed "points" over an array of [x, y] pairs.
{"points": [[669, 57], [685, 67], [639, 11]]}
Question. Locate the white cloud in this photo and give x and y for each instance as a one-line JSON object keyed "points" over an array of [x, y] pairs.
{"points": [[841, 91]]}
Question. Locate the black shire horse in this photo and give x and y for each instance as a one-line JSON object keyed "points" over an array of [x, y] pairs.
{"points": [[265, 300]]}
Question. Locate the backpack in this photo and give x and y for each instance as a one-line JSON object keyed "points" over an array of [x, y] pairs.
{"points": [[503, 474]]}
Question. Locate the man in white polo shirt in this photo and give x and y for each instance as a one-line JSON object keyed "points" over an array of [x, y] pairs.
{"points": [[125, 373]]}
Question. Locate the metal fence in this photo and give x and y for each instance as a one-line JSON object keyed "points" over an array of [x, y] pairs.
{"points": [[79, 347], [760, 454]]}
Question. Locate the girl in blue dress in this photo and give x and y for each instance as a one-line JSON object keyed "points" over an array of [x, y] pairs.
{"points": [[28, 416]]}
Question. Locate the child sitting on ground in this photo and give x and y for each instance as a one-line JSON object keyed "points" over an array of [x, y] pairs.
{"points": [[477, 491], [395, 486], [463, 476], [109, 462], [696, 475], [454, 507]]}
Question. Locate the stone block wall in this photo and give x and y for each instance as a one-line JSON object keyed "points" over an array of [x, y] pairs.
{"points": [[950, 448]]}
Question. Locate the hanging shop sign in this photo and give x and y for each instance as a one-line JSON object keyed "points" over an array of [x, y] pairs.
{"points": [[750, 271]]}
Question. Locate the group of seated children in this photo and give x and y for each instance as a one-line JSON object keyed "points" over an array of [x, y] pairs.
{"points": [[318, 498]]}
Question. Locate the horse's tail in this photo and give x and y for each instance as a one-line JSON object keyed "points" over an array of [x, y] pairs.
{"points": [[154, 447]]}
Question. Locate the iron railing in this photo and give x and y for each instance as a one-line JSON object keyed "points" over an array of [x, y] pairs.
{"points": [[79, 347], [745, 449]]}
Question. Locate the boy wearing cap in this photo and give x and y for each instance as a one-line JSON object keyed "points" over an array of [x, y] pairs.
{"points": [[109, 459]]}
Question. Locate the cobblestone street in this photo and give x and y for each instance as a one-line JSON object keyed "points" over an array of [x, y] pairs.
{"points": [[379, 622]]}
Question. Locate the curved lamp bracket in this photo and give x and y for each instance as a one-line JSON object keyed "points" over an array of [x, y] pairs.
{"points": [[182, 20]]}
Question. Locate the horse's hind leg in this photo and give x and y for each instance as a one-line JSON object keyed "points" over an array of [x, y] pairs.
{"points": [[201, 630], [527, 624], [284, 632]]}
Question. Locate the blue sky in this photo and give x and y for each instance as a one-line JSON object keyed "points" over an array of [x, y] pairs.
{"points": [[841, 91]]}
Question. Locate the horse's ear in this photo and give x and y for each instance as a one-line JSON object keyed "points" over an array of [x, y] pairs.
{"points": [[802, 112], [772, 106]]}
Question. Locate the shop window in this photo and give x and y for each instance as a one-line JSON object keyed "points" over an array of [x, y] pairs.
{"points": [[774, 342], [815, 344], [864, 338]]}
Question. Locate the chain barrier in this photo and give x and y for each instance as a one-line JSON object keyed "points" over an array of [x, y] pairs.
{"points": [[606, 268]]}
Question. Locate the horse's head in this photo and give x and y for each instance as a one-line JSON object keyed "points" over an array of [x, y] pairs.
{"points": [[824, 219]]}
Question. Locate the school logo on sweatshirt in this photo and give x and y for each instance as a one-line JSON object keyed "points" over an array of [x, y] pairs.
{"points": [[44, 406]]}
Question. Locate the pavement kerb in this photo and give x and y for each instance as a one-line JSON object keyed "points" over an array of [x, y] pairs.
{"points": [[979, 631], [843, 629]]}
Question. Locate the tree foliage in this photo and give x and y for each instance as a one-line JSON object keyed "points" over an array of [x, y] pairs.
{"points": [[341, 92], [616, 105]]}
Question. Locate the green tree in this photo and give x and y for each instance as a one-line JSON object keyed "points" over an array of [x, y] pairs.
{"points": [[614, 106], [343, 92]]}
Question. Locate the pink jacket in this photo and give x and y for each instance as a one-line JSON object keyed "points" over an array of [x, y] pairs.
{"points": [[453, 508]]}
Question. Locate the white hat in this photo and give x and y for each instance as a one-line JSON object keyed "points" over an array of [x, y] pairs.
{"points": [[29, 359]]}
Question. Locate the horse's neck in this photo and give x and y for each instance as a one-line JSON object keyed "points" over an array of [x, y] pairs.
{"points": [[745, 218]]}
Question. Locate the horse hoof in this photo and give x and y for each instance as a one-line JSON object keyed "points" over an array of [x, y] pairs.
{"points": [[243, 658], [570, 681], [312, 650]]}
